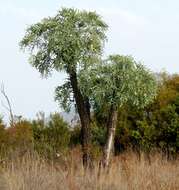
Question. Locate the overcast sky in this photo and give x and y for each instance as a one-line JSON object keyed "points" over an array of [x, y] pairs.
{"points": [[147, 30]]}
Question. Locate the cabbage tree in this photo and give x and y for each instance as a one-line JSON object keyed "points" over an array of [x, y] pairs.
{"points": [[117, 81], [70, 41]]}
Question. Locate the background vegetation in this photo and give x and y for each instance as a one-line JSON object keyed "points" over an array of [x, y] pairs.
{"points": [[154, 128]]}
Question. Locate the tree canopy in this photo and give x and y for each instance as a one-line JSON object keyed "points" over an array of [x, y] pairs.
{"points": [[119, 80], [68, 41]]}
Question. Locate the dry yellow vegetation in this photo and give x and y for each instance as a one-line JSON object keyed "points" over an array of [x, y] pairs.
{"points": [[126, 173]]}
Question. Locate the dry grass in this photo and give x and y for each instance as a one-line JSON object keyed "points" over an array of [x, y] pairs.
{"points": [[126, 173]]}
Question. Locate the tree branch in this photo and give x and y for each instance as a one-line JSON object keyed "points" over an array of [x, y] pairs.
{"points": [[8, 107]]}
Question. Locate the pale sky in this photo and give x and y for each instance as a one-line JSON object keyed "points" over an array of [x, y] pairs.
{"points": [[145, 29]]}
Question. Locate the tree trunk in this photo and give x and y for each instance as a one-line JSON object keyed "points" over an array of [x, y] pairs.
{"points": [[111, 128], [83, 108]]}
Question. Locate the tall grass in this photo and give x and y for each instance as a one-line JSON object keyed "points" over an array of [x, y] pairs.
{"points": [[31, 172]]}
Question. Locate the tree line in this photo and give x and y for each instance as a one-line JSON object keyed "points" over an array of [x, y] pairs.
{"points": [[149, 129]]}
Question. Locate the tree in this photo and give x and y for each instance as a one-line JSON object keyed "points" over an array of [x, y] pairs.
{"points": [[70, 41], [163, 116], [119, 80]]}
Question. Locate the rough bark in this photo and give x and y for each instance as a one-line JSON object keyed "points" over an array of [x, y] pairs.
{"points": [[111, 128], [83, 108]]}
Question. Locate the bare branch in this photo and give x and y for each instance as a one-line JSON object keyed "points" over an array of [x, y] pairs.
{"points": [[8, 107]]}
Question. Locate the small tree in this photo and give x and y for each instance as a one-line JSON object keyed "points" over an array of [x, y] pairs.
{"points": [[117, 81], [70, 41]]}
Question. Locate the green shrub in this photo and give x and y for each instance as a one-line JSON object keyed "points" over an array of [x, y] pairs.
{"points": [[51, 136]]}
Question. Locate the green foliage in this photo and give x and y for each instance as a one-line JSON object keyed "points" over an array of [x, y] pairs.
{"points": [[70, 41], [66, 40], [75, 138], [51, 136], [157, 125], [119, 80], [64, 96], [20, 134], [98, 135]]}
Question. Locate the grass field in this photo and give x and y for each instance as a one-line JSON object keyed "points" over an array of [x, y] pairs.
{"points": [[126, 173]]}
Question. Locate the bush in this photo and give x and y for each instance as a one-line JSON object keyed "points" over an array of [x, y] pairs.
{"points": [[51, 136], [20, 134]]}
